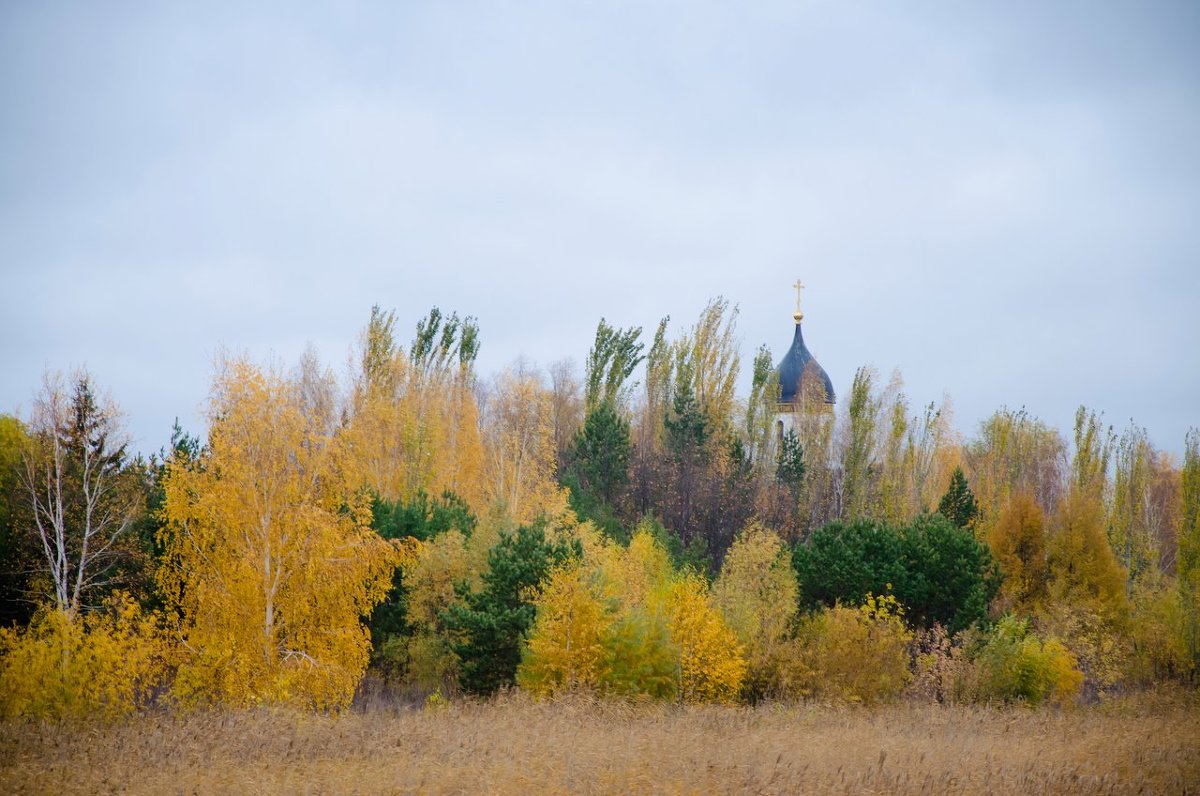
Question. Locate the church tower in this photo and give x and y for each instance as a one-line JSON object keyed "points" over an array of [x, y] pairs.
{"points": [[804, 386]]}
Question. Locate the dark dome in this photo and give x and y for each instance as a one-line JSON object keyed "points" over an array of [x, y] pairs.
{"points": [[799, 368]]}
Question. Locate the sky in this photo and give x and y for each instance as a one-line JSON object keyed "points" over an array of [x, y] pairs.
{"points": [[998, 199]]}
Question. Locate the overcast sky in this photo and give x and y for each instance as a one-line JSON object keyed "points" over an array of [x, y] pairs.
{"points": [[999, 199]]}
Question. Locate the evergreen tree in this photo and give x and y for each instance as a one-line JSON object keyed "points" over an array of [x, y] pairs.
{"points": [[958, 504], [419, 518], [789, 468], [948, 576], [938, 571], [686, 425], [601, 451], [491, 624]]}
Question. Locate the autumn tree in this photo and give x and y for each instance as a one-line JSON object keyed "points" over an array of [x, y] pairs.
{"points": [[1018, 541], [855, 654], [519, 465], [420, 519], [859, 444], [270, 563], [761, 408], [1093, 451], [1083, 570], [622, 620], [567, 407], [756, 594], [1131, 529], [1015, 452], [707, 357], [444, 342], [1189, 547], [18, 556], [894, 497], [614, 356], [567, 646], [413, 421], [82, 496]]}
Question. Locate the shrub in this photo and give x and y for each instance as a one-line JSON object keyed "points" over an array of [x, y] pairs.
{"points": [[1015, 665], [853, 654], [109, 663], [938, 571]]}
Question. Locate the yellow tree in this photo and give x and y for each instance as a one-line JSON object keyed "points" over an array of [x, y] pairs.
{"points": [[708, 356], [1015, 452], [414, 421], [566, 647], [519, 448], [270, 562], [711, 665], [622, 620], [1189, 548], [1083, 569], [756, 594], [1018, 541]]}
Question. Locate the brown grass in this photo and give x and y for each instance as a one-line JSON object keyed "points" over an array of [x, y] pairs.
{"points": [[516, 745]]}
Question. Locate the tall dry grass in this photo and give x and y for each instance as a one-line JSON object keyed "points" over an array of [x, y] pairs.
{"points": [[579, 745]]}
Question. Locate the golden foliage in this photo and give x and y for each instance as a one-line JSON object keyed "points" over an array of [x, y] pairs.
{"points": [[756, 594], [1100, 650], [1017, 664], [853, 654], [1083, 569], [105, 663], [1157, 638], [519, 450], [1018, 541], [1015, 452], [415, 430], [269, 559], [621, 620], [566, 646], [712, 667]]}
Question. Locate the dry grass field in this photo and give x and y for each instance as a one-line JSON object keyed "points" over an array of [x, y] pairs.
{"points": [[516, 745]]}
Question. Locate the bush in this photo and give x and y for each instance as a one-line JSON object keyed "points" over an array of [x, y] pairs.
{"points": [[1015, 664], [853, 654], [1156, 635], [106, 663], [939, 572], [622, 621]]}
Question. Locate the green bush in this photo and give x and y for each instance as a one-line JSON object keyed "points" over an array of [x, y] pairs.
{"points": [[1016, 665]]}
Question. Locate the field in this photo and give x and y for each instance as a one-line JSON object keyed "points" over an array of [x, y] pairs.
{"points": [[516, 745]]}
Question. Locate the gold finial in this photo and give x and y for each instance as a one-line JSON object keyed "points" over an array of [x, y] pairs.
{"points": [[799, 315]]}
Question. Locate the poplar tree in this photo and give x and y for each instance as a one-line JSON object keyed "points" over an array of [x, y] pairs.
{"points": [[1189, 547]]}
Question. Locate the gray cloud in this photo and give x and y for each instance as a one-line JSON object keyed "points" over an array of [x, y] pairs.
{"points": [[998, 199]]}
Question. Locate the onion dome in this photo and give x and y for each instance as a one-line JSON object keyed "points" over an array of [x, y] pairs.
{"points": [[799, 373]]}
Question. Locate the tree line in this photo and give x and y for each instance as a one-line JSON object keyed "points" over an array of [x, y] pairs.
{"points": [[638, 530]]}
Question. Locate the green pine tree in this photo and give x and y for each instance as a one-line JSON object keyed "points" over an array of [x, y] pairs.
{"points": [[789, 468], [958, 504], [491, 624], [601, 451]]}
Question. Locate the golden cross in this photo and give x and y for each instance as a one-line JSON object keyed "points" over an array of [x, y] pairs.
{"points": [[799, 286]]}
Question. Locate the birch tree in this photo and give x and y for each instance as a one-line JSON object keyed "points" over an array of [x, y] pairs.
{"points": [[269, 558], [83, 499]]}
